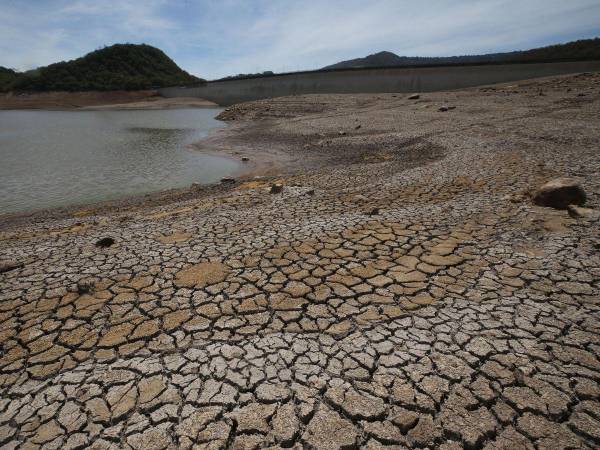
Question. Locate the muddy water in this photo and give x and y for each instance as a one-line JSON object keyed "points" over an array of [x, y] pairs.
{"points": [[59, 158]]}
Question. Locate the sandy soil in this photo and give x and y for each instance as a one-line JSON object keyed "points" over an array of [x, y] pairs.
{"points": [[402, 291], [148, 99]]}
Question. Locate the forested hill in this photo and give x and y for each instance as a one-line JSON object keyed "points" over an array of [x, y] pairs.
{"points": [[118, 67], [587, 49], [7, 76]]}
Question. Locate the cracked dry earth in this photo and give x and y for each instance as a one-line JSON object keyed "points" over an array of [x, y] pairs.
{"points": [[458, 316]]}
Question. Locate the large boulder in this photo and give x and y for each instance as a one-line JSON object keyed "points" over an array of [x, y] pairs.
{"points": [[560, 193]]}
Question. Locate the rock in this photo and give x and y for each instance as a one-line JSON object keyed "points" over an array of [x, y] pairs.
{"points": [[414, 97], [85, 287], [357, 127], [342, 133], [105, 242], [6, 266], [245, 159], [276, 188], [560, 193], [227, 180], [310, 192], [443, 109], [374, 212], [577, 211]]}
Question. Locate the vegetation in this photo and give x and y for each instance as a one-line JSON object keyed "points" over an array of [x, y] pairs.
{"points": [[587, 49], [7, 77], [118, 67], [241, 76]]}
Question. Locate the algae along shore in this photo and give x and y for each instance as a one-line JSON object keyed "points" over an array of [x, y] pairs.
{"points": [[386, 272]]}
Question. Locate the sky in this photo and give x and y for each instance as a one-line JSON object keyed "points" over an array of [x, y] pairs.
{"points": [[212, 39]]}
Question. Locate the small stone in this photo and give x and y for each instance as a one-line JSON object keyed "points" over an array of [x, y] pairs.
{"points": [[577, 211], [443, 109], [374, 212], [310, 192], [227, 180], [245, 159], [560, 193], [357, 127], [85, 287], [105, 242], [6, 266], [276, 188], [342, 133], [414, 97]]}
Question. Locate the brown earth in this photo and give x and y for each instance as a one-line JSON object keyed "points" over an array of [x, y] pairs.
{"points": [[148, 99], [401, 292]]}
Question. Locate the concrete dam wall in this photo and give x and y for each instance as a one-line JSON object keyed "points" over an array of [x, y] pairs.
{"points": [[398, 79]]}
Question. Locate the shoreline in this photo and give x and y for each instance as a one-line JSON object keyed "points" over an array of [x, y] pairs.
{"points": [[251, 131], [96, 100], [264, 166]]}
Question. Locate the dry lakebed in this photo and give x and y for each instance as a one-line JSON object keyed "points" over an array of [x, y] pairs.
{"points": [[398, 288]]}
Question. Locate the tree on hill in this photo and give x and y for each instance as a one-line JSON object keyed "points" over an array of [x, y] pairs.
{"points": [[7, 78], [586, 49], [120, 66]]}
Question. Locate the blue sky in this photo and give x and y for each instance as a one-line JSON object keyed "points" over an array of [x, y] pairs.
{"points": [[224, 37]]}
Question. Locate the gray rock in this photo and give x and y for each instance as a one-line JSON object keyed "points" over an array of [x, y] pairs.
{"points": [[414, 97], [276, 188], [85, 287], [6, 266], [577, 212], [560, 193], [105, 242]]}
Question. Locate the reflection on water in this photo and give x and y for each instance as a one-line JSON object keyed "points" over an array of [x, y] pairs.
{"points": [[59, 158]]}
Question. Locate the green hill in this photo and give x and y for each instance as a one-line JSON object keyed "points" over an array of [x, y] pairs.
{"points": [[586, 49], [118, 67], [7, 77]]}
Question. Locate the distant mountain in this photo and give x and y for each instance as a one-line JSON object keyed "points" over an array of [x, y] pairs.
{"points": [[577, 50], [241, 76], [118, 67]]}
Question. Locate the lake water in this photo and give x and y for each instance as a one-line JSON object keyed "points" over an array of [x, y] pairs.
{"points": [[60, 158]]}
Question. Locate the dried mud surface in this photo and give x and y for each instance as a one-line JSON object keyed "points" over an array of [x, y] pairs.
{"points": [[401, 292]]}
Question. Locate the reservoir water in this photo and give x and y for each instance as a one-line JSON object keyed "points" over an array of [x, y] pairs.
{"points": [[59, 158]]}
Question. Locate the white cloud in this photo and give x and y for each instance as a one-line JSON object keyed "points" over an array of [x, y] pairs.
{"points": [[214, 39]]}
